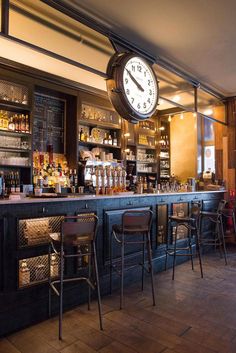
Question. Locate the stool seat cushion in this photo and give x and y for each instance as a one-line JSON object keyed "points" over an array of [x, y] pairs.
{"points": [[181, 219], [210, 214], [73, 240], [117, 228]]}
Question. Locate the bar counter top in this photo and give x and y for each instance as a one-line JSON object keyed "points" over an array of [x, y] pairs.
{"points": [[99, 197]]}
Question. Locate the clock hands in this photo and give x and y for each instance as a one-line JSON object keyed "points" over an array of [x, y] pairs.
{"points": [[135, 81]]}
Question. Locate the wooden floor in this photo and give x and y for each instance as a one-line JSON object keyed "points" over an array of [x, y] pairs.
{"points": [[192, 315]]}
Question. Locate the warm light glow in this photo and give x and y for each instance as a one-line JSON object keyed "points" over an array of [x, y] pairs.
{"points": [[162, 141], [162, 128], [181, 116], [169, 118], [176, 99], [127, 134], [194, 115], [208, 112], [127, 150]]}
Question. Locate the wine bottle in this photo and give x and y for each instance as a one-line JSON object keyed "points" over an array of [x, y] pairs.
{"points": [[115, 142]]}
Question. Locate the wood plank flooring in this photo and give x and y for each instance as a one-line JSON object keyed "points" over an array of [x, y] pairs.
{"points": [[192, 315]]}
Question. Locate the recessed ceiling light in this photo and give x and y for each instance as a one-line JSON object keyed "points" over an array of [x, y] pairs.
{"points": [[208, 112], [176, 98]]}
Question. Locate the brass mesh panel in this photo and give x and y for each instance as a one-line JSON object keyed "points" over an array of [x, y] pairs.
{"points": [[35, 270], [13, 92], [36, 231]]}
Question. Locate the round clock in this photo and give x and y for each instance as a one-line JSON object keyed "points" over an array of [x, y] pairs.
{"points": [[132, 86]]}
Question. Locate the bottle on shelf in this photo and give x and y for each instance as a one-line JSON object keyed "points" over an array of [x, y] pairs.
{"points": [[75, 178], [22, 127], [16, 121], [81, 135], [11, 124], [5, 121], [109, 140], [105, 140], [114, 141], [27, 126], [24, 274]]}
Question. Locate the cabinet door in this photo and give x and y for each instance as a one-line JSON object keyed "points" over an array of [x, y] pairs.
{"points": [[1, 252], [162, 224]]}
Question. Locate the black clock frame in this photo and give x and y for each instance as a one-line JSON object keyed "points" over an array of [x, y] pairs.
{"points": [[115, 88]]}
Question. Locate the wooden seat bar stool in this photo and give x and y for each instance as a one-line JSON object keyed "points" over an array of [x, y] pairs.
{"points": [[136, 224], [75, 231], [216, 218], [191, 223]]}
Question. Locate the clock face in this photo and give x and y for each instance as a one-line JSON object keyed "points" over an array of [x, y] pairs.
{"points": [[140, 85]]}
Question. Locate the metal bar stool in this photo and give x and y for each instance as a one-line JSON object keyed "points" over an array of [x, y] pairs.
{"points": [[217, 219], [191, 223], [229, 213], [136, 223], [75, 231]]}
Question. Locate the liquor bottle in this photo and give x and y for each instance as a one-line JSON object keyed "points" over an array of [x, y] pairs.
{"points": [[17, 182], [1, 119], [22, 129], [54, 266], [105, 140], [109, 140], [145, 184], [27, 129], [24, 274], [81, 135], [114, 141], [12, 183], [5, 121], [16, 121], [75, 178], [11, 124], [24, 100]]}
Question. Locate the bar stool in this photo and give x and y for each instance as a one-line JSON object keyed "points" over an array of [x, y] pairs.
{"points": [[229, 213], [216, 218], [75, 231], [191, 223], [134, 223]]}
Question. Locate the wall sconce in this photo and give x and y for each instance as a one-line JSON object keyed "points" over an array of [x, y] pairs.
{"points": [[169, 118]]}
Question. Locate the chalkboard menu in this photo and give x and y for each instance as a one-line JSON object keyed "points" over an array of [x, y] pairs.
{"points": [[49, 116]]}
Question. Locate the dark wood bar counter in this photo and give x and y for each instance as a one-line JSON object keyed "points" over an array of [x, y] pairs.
{"points": [[24, 259]]}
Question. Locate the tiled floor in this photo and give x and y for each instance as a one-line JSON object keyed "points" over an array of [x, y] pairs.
{"points": [[192, 315]]}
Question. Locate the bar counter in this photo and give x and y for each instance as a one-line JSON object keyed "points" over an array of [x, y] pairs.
{"points": [[24, 245]]}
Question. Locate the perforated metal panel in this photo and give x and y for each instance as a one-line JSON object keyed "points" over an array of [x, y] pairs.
{"points": [[35, 270], [36, 231], [13, 92]]}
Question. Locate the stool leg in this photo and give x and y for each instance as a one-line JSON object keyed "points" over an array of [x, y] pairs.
{"points": [[111, 262], [218, 237], [167, 248], [98, 286], [174, 255], [190, 247], [61, 290], [234, 224], [198, 250], [223, 239], [150, 266], [122, 272], [89, 275], [143, 264], [49, 282]]}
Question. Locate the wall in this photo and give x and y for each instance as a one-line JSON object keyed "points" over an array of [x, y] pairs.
{"points": [[183, 134]]}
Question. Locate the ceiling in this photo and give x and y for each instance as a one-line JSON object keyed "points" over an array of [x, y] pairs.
{"points": [[198, 37]]}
